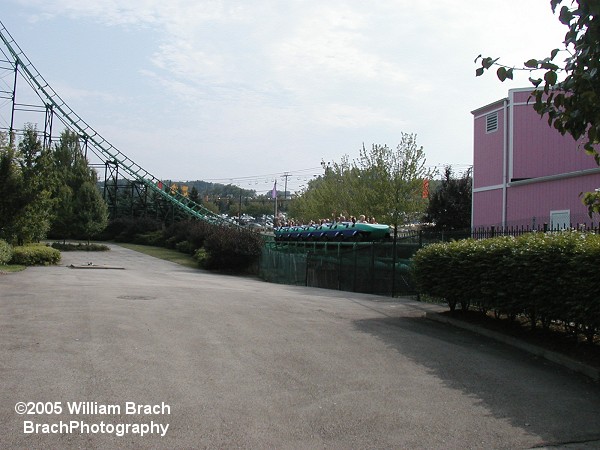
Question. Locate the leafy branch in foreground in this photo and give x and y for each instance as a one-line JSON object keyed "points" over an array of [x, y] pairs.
{"points": [[572, 105]]}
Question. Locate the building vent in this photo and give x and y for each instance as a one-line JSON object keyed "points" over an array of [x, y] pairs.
{"points": [[491, 122]]}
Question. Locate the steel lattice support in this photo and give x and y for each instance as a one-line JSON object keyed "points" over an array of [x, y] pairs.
{"points": [[48, 127], [111, 186], [114, 159]]}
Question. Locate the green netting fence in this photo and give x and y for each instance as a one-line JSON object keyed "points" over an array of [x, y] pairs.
{"points": [[374, 268]]}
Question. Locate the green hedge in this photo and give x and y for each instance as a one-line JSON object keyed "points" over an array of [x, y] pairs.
{"points": [[6, 252], [69, 247], [35, 255], [543, 276], [232, 249]]}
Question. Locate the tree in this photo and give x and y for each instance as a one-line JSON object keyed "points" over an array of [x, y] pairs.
{"points": [[73, 173], [194, 195], [382, 182], [65, 155], [12, 195], [91, 215], [260, 205], [450, 204], [392, 181], [32, 222], [572, 104]]}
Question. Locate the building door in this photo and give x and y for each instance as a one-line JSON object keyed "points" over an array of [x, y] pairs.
{"points": [[560, 220]]}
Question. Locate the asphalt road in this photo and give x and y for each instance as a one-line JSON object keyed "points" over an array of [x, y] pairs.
{"points": [[230, 362]]}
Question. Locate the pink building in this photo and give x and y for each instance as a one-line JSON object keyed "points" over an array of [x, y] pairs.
{"points": [[525, 173]]}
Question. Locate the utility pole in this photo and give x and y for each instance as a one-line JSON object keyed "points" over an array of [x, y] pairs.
{"points": [[286, 175], [240, 210]]}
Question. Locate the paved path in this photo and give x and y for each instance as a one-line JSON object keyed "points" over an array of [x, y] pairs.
{"points": [[239, 363]]}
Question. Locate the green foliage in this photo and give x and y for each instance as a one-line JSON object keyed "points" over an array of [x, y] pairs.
{"points": [[62, 224], [12, 195], [155, 238], [570, 102], [192, 231], [46, 191], [72, 172], [194, 195], [26, 187], [32, 222], [384, 183], [88, 247], [35, 255], [202, 256], [259, 205], [543, 276], [125, 229], [91, 211], [6, 252], [232, 249], [450, 204], [185, 247], [214, 247]]}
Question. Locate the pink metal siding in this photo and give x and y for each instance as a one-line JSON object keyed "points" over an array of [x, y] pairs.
{"points": [[539, 150], [488, 156], [487, 208], [524, 202], [522, 96], [534, 150]]}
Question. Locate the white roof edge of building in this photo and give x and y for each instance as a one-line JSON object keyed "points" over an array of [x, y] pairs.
{"points": [[477, 111]]}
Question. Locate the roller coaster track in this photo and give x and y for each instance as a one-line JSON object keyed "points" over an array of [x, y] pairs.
{"points": [[100, 146]]}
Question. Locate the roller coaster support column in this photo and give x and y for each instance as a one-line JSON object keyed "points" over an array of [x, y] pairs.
{"points": [[85, 146], [111, 172], [12, 112], [48, 126]]}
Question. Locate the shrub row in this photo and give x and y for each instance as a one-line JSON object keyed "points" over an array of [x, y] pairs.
{"points": [[69, 247], [214, 247], [189, 235], [6, 252], [35, 255], [232, 249], [125, 229], [543, 276]]}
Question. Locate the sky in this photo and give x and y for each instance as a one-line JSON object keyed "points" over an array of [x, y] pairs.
{"points": [[245, 92]]}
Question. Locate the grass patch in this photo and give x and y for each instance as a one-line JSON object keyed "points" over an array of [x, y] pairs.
{"points": [[163, 253], [11, 268]]}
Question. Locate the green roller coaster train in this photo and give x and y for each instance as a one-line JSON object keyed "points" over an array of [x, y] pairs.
{"points": [[98, 144], [342, 231]]}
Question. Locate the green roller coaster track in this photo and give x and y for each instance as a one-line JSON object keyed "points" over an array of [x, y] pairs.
{"points": [[101, 145]]}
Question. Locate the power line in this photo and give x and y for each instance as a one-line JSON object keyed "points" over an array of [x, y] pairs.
{"points": [[296, 179], [253, 177]]}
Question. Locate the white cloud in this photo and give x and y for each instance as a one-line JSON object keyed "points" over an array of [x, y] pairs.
{"points": [[249, 74]]}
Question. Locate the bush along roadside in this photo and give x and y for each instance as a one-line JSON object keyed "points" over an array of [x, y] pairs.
{"points": [[35, 255], [545, 277], [232, 249], [69, 247], [6, 252], [215, 247]]}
